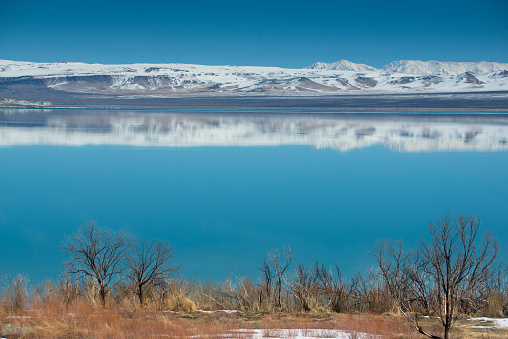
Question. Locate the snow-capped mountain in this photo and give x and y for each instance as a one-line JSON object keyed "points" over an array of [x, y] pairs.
{"points": [[145, 80], [432, 67], [443, 68], [343, 65]]}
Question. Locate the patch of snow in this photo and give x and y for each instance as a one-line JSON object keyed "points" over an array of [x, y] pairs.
{"points": [[217, 311], [497, 322], [305, 333], [18, 317], [293, 334], [443, 68], [342, 65]]}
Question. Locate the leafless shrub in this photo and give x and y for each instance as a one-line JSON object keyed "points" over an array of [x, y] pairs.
{"points": [[41, 294], [175, 295], [248, 293], [446, 275], [368, 293], [327, 333], [68, 289], [266, 286], [271, 333], [17, 294], [290, 333], [353, 334], [334, 291], [279, 270], [303, 286], [96, 253], [496, 304], [149, 263]]}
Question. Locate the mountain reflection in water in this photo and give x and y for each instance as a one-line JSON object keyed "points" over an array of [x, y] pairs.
{"points": [[412, 132]]}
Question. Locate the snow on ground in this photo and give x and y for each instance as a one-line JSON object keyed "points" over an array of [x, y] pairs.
{"points": [[224, 311], [294, 334], [302, 334], [490, 322]]}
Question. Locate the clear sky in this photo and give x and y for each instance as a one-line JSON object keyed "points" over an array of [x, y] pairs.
{"points": [[262, 32]]}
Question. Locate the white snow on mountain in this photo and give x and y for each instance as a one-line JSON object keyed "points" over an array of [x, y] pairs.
{"points": [[176, 79], [431, 67], [343, 65], [443, 68]]}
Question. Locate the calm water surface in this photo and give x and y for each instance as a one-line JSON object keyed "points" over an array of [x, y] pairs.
{"points": [[225, 188]]}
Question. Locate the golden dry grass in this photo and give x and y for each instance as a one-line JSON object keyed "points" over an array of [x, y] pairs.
{"points": [[83, 319]]}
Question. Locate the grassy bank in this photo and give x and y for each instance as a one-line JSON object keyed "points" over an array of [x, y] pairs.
{"points": [[193, 309]]}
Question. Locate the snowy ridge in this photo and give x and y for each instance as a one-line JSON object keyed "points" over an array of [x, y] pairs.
{"points": [[343, 65], [443, 68], [148, 129], [432, 67], [177, 79]]}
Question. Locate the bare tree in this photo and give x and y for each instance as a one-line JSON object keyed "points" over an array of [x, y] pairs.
{"points": [[499, 286], [96, 253], [392, 262], [335, 291], [443, 274], [265, 287], [149, 262], [304, 287], [280, 268]]}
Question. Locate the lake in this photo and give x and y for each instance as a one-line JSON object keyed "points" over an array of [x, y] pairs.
{"points": [[226, 187]]}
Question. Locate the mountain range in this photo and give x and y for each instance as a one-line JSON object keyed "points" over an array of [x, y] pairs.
{"points": [[432, 67], [23, 80]]}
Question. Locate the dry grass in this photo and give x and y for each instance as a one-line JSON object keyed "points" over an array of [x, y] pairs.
{"points": [[85, 321], [54, 318]]}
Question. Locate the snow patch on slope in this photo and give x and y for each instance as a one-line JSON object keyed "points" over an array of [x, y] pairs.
{"points": [[343, 65], [443, 68]]}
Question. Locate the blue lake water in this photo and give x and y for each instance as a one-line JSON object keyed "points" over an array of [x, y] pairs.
{"points": [[227, 187]]}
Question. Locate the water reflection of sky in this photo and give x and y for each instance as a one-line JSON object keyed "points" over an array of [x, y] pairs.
{"points": [[225, 207]]}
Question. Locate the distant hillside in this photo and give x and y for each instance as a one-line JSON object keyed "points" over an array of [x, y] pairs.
{"points": [[343, 65], [443, 68], [438, 68], [51, 81]]}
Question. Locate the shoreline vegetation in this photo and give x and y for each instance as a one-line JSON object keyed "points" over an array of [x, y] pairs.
{"points": [[116, 286]]}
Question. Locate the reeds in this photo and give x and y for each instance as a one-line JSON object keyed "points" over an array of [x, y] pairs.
{"points": [[50, 316], [179, 307], [314, 302]]}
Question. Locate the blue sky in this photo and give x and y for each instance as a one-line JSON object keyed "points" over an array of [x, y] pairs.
{"points": [[279, 33]]}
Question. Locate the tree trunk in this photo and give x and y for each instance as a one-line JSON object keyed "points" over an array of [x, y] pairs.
{"points": [[279, 303], [447, 332], [102, 295], [140, 295]]}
